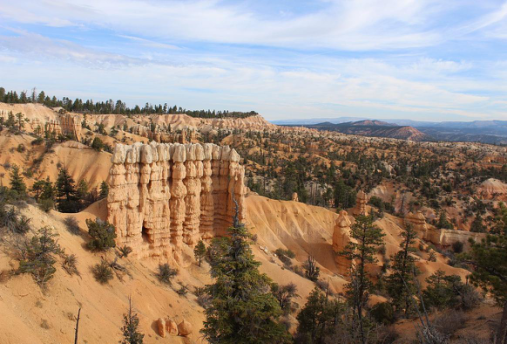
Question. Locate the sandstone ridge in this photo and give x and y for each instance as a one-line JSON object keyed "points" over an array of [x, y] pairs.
{"points": [[164, 198]]}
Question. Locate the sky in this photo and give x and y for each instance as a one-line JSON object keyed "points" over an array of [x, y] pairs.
{"points": [[286, 59]]}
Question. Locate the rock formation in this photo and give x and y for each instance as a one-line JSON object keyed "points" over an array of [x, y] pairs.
{"points": [[161, 325], [341, 237], [65, 125], [295, 197], [418, 223], [360, 208], [184, 328], [163, 198], [171, 327]]}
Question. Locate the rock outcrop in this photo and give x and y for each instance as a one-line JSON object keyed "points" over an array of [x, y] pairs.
{"points": [[360, 208], [418, 223], [341, 237], [295, 197], [164, 198]]}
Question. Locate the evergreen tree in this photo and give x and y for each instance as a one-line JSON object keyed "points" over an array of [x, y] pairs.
{"points": [[131, 334], [489, 261], [104, 190], [67, 200], [17, 183], [361, 251], [318, 319], [48, 191], [441, 291], [477, 225], [443, 222], [401, 283], [242, 309], [200, 252], [103, 234]]}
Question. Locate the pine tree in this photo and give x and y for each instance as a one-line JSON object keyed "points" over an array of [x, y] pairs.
{"points": [[131, 334], [318, 319], [66, 193], [477, 225], [104, 190], [401, 283], [200, 252], [489, 261], [242, 309], [361, 251], [443, 222], [17, 183]]}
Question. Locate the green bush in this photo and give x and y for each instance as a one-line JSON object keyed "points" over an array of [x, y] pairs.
{"points": [[102, 272], [37, 256], [166, 273], [46, 205], [102, 233]]}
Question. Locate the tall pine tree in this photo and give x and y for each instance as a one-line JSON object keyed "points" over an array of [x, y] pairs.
{"points": [[401, 282], [361, 251], [242, 308]]}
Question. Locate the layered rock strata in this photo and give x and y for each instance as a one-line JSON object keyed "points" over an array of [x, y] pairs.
{"points": [[164, 198]]}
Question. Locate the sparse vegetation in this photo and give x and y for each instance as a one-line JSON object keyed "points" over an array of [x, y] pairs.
{"points": [[165, 273], [102, 272]]}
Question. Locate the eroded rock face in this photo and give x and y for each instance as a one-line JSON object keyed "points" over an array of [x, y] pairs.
{"points": [[166, 197], [418, 223], [361, 199], [341, 237]]}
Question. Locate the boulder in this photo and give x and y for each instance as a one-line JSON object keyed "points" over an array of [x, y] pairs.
{"points": [[184, 328], [171, 327], [161, 325]]}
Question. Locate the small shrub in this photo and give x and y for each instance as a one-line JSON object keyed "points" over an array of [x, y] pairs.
{"points": [[125, 251], [38, 141], [432, 257], [36, 256], [312, 271], [46, 205], [44, 324], [102, 272], [21, 148], [449, 322], [102, 233], [72, 225], [166, 273], [182, 291], [69, 264]]}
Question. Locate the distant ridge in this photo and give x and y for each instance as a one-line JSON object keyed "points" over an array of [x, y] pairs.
{"points": [[374, 128]]}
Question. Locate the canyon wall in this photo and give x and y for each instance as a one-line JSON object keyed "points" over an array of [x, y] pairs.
{"points": [[164, 198]]}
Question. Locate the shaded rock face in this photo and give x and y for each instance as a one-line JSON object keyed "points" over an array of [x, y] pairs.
{"points": [[164, 198], [341, 237]]}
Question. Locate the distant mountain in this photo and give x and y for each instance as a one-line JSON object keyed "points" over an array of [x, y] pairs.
{"points": [[308, 121], [493, 131], [374, 128]]}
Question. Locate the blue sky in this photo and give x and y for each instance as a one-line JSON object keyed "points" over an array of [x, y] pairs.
{"points": [[415, 59]]}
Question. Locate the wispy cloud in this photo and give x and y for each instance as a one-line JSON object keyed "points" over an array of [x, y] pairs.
{"points": [[414, 58]]}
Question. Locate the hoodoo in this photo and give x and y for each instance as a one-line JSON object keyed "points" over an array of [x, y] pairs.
{"points": [[163, 198]]}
